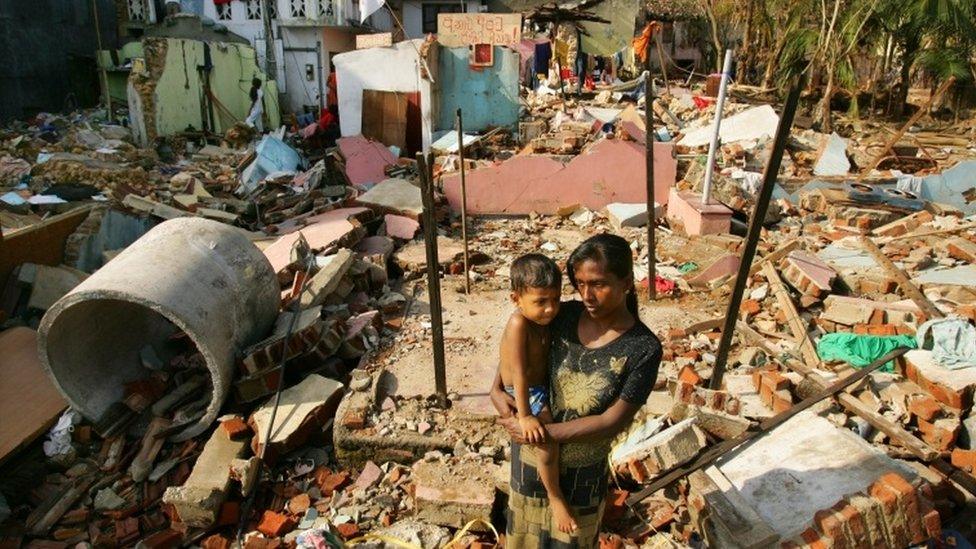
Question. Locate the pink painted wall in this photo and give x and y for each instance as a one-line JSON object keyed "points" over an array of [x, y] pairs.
{"points": [[610, 171]]}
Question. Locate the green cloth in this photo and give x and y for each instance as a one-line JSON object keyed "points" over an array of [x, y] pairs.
{"points": [[688, 267], [861, 350]]}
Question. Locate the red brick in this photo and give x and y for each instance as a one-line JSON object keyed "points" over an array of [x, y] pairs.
{"points": [[348, 530], [876, 329], [299, 504], [782, 401], [333, 482], [164, 539], [877, 317], [126, 531], [275, 524], [894, 517], [908, 502], [215, 541], [941, 433], [963, 249], [236, 428], [689, 375], [230, 513], [813, 540], [354, 419], [775, 380], [831, 527], [676, 333], [855, 529], [925, 407], [964, 459], [749, 308]]}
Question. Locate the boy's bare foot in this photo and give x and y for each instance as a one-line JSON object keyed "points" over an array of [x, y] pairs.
{"points": [[563, 515]]}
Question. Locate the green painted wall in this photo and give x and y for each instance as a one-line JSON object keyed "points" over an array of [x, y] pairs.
{"points": [[180, 91]]}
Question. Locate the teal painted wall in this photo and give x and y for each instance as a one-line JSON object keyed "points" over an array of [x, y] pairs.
{"points": [[487, 96]]}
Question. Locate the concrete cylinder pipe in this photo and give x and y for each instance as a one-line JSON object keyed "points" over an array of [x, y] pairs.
{"points": [[199, 276]]}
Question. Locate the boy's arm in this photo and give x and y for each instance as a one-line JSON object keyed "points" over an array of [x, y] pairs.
{"points": [[614, 420], [514, 355]]}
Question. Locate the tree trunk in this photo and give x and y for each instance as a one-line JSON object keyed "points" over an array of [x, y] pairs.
{"points": [[909, 51], [825, 126], [713, 23], [773, 60]]}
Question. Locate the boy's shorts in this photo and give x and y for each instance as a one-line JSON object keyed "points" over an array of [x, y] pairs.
{"points": [[538, 398]]}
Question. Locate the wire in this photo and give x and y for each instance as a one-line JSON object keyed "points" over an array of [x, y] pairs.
{"points": [[296, 312]]}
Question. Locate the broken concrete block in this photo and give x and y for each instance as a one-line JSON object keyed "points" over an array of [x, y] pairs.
{"points": [[712, 494], [395, 195], [303, 408], [416, 533], [832, 157], [803, 466], [631, 215], [903, 225], [686, 210], [454, 491], [331, 270], [716, 422], [152, 207], [320, 231], [754, 123], [962, 249], [51, 284], [642, 458], [198, 501], [719, 271], [807, 273], [377, 249], [401, 227], [413, 256], [953, 388]]}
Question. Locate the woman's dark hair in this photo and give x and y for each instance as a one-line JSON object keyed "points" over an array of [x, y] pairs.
{"points": [[255, 84], [614, 253]]}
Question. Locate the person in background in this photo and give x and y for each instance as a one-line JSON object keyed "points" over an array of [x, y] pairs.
{"points": [[328, 125], [333, 97], [256, 117]]}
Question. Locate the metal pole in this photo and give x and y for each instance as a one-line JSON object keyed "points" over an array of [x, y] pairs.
{"points": [[755, 227], [649, 173], [425, 165], [102, 72], [713, 146], [318, 62], [270, 63], [464, 204]]}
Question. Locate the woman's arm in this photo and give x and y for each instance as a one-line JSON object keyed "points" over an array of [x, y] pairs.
{"points": [[503, 402], [614, 420]]}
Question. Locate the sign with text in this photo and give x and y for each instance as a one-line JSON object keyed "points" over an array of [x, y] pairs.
{"points": [[379, 40], [455, 30]]}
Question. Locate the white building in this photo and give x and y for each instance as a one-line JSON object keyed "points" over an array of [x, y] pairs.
{"points": [[299, 24]]}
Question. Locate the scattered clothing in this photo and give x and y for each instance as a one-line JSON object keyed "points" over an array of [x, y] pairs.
{"points": [[861, 350], [255, 118], [952, 341], [543, 55]]}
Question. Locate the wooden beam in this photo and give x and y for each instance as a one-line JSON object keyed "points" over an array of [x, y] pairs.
{"points": [[796, 323], [775, 255], [904, 283]]}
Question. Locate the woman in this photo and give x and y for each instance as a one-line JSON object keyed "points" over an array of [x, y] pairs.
{"points": [[255, 118], [603, 362]]}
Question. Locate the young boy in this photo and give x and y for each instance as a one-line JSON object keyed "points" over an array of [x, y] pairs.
{"points": [[536, 288]]}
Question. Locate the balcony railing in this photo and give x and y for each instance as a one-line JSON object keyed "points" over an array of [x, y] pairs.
{"points": [[334, 13]]}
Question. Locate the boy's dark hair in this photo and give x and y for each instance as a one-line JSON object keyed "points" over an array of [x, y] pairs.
{"points": [[535, 271]]}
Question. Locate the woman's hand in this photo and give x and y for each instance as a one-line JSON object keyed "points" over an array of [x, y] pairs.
{"points": [[511, 424], [503, 402]]}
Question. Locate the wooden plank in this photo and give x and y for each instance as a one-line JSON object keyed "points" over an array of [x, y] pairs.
{"points": [[775, 255], [42, 243], [904, 284], [385, 117], [797, 325], [26, 392], [934, 232]]}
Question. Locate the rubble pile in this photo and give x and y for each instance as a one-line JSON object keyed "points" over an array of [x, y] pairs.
{"points": [[356, 448]]}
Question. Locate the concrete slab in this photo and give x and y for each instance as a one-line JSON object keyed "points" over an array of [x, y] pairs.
{"points": [[454, 491], [642, 457], [725, 266], [302, 408], [956, 276], [199, 499], [807, 273], [331, 270], [631, 215], [399, 226], [611, 170], [51, 284], [789, 474], [686, 209], [320, 231], [366, 160], [833, 159], [396, 196], [755, 123], [954, 388]]}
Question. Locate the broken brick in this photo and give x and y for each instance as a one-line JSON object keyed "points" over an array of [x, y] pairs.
{"points": [[275, 524], [236, 428], [348, 530]]}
